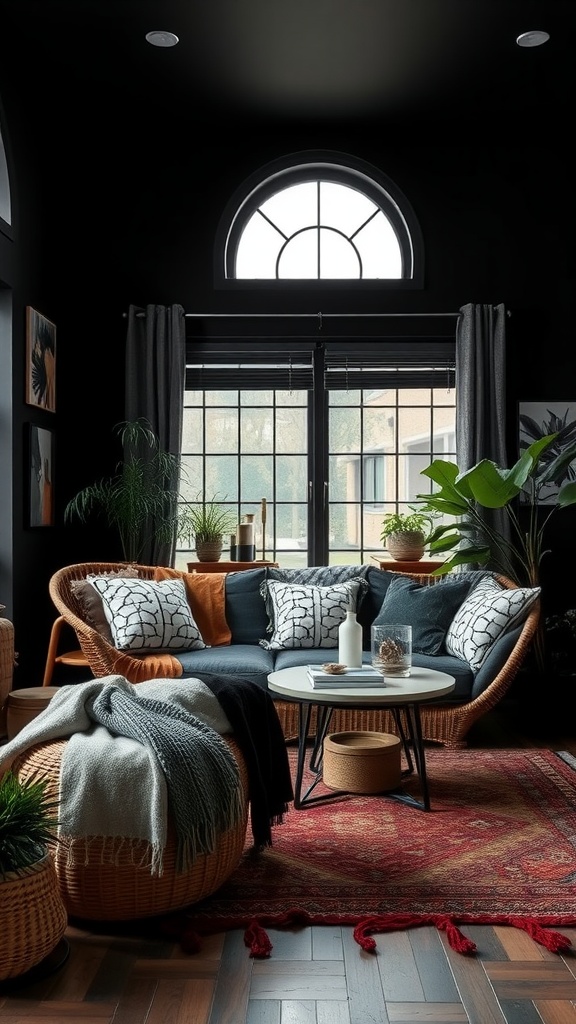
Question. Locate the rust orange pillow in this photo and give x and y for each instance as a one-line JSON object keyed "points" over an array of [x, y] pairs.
{"points": [[206, 597]]}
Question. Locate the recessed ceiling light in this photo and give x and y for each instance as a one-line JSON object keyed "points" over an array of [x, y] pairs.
{"points": [[533, 38], [161, 38]]}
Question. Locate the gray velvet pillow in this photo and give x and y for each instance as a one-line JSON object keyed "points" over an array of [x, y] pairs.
{"points": [[428, 608]]}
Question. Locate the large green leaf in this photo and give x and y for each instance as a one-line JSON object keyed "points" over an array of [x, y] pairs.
{"points": [[567, 495], [556, 469], [493, 487]]}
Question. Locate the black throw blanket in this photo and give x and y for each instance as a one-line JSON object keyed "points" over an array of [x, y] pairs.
{"points": [[257, 730]]}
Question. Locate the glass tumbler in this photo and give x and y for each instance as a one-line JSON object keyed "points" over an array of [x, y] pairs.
{"points": [[392, 649]]}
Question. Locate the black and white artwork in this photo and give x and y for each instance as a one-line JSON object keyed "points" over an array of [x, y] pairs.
{"points": [[537, 420]]}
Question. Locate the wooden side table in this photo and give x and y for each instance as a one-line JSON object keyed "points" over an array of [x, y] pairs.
{"points": [[228, 566], [423, 566]]}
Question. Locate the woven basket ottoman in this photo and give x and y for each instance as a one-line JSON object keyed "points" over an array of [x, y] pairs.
{"points": [[124, 891]]}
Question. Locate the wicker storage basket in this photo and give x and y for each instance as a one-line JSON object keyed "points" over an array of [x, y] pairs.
{"points": [[33, 917], [122, 890], [361, 762], [22, 706]]}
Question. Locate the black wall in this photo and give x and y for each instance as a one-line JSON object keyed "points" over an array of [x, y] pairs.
{"points": [[117, 201]]}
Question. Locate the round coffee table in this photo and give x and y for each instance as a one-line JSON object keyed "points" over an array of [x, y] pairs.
{"points": [[401, 696]]}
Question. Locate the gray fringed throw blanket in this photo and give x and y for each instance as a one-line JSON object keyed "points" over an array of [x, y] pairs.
{"points": [[134, 756]]}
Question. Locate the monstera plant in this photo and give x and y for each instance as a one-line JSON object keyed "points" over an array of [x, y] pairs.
{"points": [[468, 496], [464, 495]]}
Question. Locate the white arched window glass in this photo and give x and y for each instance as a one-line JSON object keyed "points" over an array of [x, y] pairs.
{"points": [[323, 220], [318, 230]]}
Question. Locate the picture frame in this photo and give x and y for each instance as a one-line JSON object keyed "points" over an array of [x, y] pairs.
{"points": [[538, 419], [40, 360], [41, 476]]}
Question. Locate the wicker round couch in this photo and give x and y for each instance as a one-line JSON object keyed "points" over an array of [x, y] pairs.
{"points": [[116, 889]]}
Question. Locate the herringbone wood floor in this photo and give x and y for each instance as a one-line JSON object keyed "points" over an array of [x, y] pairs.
{"points": [[316, 975]]}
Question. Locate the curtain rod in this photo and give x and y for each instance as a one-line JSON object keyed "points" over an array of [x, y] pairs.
{"points": [[314, 316]]}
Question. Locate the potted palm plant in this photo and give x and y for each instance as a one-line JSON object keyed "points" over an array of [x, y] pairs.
{"points": [[202, 526], [405, 534], [33, 917], [140, 499]]}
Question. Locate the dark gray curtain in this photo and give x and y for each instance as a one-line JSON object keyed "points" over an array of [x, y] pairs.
{"points": [[155, 374], [481, 393]]}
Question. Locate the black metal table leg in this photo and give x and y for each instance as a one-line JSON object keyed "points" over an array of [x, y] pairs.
{"points": [[410, 737], [415, 738]]}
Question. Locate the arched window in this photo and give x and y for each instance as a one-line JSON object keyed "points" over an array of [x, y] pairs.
{"points": [[331, 416], [319, 217]]}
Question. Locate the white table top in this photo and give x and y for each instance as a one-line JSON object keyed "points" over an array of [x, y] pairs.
{"points": [[423, 684]]}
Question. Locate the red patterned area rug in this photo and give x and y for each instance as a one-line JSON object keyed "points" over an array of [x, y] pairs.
{"points": [[497, 847]]}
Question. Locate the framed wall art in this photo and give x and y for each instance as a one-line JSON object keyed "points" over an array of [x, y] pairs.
{"points": [[40, 360], [41, 476], [537, 420]]}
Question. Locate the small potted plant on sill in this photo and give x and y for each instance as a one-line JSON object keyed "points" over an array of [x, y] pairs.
{"points": [[405, 534], [33, 917], [202, 527]]}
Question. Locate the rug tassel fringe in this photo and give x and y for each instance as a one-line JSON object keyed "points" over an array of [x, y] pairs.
{"points": [[457, 940], [256, 938], [258, 942], [554, 941]]}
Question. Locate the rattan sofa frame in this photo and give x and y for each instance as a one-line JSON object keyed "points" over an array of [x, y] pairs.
{"points": [[444, 723]]}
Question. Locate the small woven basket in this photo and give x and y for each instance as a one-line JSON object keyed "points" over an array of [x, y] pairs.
{"points": [[114, 888], [33, 917], [361, 762]]}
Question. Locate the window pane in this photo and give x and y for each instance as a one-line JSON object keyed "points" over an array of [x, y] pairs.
{"points": [[292, 478], [414, 427], [258, 249], [256, 475], [379, 249], [339, 486], [192, 430], [344, 526], [221, 430], [256, 397], [344, 430], [293, 208], [379, 430], [299, 258], [344, 208], [256, 430], [191, 478], [338, 257], [221, 478], [291, 430]]}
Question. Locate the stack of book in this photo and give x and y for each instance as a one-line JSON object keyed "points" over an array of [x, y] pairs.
{"points": [[365, 676]]}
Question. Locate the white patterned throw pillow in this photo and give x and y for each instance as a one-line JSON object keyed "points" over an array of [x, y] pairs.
{"points": [[488, 612], [148, 615], [307, 616]]}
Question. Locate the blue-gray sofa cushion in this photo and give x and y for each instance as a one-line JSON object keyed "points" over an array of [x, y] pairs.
{"points": [[245, 610], [429, 609], [378, 581], [237, 659]]}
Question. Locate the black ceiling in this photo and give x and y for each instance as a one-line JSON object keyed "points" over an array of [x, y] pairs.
{"points": [[446, 61]]}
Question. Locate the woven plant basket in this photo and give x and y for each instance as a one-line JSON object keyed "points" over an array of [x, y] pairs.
{"points": [[33, 917], [122, 890]]}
